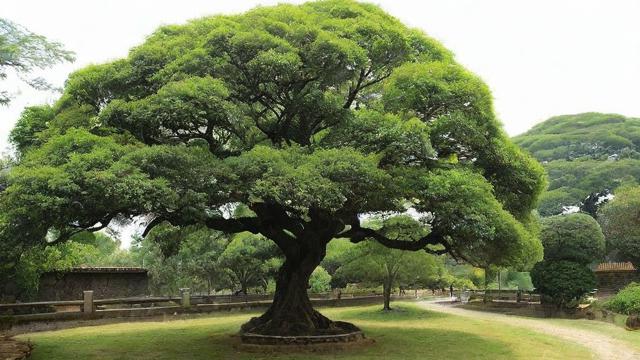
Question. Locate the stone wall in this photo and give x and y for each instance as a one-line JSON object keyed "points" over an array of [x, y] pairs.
{"points": [[611, 281], [105, 282]]}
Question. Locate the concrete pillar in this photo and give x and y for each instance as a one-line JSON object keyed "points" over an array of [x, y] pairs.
{"points": [[87, 306], [186, 297]]}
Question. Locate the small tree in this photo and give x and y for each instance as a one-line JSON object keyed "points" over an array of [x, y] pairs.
{"points": [[562, 282], [573, 237], [620, 220], [371, 262], [182, 257], [570, 243], [249, 261]]}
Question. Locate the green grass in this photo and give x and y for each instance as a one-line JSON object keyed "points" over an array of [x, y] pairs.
{"points": [[406, 333]]}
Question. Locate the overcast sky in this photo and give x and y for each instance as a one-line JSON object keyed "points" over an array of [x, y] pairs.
{"points": [[540, 58]]}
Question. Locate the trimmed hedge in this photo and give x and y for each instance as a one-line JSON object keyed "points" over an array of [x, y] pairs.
{"points": [[562, 282]]}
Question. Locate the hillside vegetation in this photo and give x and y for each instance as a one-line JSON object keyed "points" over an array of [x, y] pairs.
{"points": [[583, 154]]}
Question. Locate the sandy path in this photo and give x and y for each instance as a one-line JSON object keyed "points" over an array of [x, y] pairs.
{"points": [[602, 346]]}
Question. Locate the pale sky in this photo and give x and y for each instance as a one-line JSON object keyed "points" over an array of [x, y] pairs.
{"points": [[540, 58]]}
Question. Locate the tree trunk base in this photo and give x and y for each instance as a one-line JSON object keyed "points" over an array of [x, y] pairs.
{"points": [[315, 324]]}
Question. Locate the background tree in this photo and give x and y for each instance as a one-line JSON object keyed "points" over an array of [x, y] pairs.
{"points": [[570, 243], [586, 156], [371, 262], [620, 220], [573, 237], [182, 257], [293, 112], [250, 262], [22, 51]]}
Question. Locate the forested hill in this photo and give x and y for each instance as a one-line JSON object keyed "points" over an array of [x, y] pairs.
{"points": [[583, 154]]}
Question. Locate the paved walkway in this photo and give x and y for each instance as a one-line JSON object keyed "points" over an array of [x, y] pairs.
{"points": [[602, 346]]}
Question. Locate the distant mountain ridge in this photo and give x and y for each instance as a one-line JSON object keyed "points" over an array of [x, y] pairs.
{"points": [[583, 154]]}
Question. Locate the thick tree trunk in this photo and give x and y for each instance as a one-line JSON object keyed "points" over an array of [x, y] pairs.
{"points": [[291, 313]]}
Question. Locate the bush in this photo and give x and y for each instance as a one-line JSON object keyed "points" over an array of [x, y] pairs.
{"points": [[562, 282], [320, 281], [626, 301]]}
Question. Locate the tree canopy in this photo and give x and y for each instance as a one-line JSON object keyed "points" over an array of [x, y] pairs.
{"points": [[583, 154], [22, 51], [572, 237], [310, 116], [620, 220]]}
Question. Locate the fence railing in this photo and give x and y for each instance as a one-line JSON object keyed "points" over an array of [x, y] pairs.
{"points": [[89, 305], [495, 295]]}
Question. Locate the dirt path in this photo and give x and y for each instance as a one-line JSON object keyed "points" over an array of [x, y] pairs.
{"points": [[602, 346], [12, 349]]}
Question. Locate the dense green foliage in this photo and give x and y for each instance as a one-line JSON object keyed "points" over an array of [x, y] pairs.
{"points": [[22, 51], [562, 282], [583, 154], [583, 136], [320, 281], [372, 264], [572, 237], [620, 220], [309, 116], [570, 243], [205, 261], [626, 301]]}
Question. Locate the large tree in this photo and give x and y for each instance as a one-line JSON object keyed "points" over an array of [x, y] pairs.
{"points": [[310, 116]]}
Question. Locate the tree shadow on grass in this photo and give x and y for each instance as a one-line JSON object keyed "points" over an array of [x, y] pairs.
{"points": [[398, 312]]}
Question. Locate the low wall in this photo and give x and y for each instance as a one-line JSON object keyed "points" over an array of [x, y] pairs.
{"points": [[47, 321], [609, 282], [105, 283]]}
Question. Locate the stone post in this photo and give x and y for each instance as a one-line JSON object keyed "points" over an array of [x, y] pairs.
{"points": [[186, 297], [87, 306]]}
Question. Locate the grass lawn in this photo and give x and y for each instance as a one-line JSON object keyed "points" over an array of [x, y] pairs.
{"points": [[405, 333]]}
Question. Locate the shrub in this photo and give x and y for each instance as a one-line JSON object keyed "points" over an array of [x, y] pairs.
{"points": [[562, 282], [320, 281], [626, 301]]}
